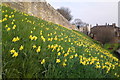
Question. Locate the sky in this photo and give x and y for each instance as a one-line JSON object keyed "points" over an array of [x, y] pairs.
{"points": [[90, 11]]}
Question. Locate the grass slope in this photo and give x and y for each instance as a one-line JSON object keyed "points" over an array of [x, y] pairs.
{"points": [[34, 48]]}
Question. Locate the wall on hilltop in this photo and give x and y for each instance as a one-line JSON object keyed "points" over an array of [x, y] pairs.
{"points": [[41, 9]]}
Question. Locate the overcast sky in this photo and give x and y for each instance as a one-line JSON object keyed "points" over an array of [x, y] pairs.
{"points": [[91, 11]]}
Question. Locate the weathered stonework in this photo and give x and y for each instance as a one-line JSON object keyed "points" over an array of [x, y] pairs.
{"points": [[41, 9]]}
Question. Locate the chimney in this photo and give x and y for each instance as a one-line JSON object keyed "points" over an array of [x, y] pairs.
{"points": [[106, 24], [96, 24], [114, 25]]}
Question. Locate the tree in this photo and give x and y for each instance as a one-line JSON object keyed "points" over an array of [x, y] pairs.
{"points": [[65, 12], [80, 23]]}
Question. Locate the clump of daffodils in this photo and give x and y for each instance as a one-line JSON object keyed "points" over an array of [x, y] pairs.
{"points": [[33, 37], [15, 39], [15, 54]]}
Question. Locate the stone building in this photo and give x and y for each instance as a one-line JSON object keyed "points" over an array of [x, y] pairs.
{"points": [[99, 33], [86, 29]]}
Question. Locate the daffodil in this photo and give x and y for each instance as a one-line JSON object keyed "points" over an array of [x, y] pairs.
{"points": [[43, 38], [57, 60], [64, 64], [15, 39], [6, 26], [63, 51], [15, 54], [8, 29], [65, 60], [38, 49], [76, 55], [9, 16], [59, 54], [34, 46], [14, 27], [3, 11], [71, 56], [11, 12], [13, 19], [12, 51], [4, 19], [30, 36], [12, 23], [58, 49], [35, 37], [34, 28], [65, 55], [21, 47], [12, 15], [6, 15], [43, 61]]}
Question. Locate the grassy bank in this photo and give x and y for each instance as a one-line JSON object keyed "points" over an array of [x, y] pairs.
{"points": [[34, 48]]}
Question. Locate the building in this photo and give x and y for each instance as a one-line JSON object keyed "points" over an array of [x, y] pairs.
{"points": [[106, 33], [84, 29]]}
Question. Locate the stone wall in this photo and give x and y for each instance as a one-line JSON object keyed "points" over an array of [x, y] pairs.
{"points": [[41, 9]]}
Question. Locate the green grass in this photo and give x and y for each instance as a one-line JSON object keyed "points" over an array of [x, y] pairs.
{"points": [[77, 55], [96, 42], [112, 47]]}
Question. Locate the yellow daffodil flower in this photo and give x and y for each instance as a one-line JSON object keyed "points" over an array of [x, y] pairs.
{"points": [[12, 51], [64, 64], [14, 27], [21, 47], [59, 54], [57, 60], [15, 39], [6, 26], [76, 55], [6, 15], [71, 56], [8, 29], [43, 38], [15, 54], [34, 46], [43, 61], [38, 49]]}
